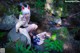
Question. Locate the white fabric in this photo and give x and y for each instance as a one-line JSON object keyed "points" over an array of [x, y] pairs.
{"points": [[25, 11], [42, 37], [31, 27], [25, 31], [23, 21], [26, 20]]}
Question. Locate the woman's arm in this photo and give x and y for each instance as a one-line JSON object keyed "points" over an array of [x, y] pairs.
{"points": [[19, 23]]}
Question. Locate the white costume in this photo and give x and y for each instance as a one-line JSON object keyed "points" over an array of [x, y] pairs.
{"points": [[24, 19], [39, 38]]}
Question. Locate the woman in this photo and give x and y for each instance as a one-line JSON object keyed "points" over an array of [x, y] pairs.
{"points": [[22, 25]]}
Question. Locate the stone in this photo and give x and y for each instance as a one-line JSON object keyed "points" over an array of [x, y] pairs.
{"points": [[13, 36], [8, 22]]}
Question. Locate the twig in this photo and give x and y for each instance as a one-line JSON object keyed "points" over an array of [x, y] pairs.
{"points": [[74, 14]]}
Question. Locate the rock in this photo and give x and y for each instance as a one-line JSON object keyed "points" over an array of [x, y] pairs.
{"points": [[5, 26], [13, 36], [11, 19], [8, 22]]}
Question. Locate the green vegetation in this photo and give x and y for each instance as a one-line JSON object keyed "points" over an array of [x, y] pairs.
{"points": [[53, 45], [39, 5], [13, 10], [2, 34], [60, 8], [75, 30], [49, 45]]}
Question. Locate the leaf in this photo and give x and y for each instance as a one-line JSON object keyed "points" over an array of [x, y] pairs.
{"points": [[53, 37], [28, 48]]}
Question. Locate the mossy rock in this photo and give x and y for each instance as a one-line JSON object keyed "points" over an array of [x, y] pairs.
{"points": [[14, 37]]}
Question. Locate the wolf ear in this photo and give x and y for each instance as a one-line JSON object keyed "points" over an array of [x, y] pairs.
{"points": [[22, 7]]}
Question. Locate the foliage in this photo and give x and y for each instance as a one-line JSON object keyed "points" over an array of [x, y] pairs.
{"points": [[49, 45], [2, 34], [2, 8], [61, 32], [21, 49], [53, 37], [18, 47], [13, 10], [60, 8], [53, 45], [40, 6], [64, 31], [75, 30]]}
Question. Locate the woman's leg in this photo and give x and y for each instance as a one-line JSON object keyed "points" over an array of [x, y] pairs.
{"points": [[31, 27], [25, 33]]}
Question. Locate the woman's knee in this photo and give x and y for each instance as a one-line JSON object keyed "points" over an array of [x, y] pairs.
{"points": [[35, 25]]}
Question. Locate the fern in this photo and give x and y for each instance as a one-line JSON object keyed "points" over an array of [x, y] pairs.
{"points": [[53, 45]]}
